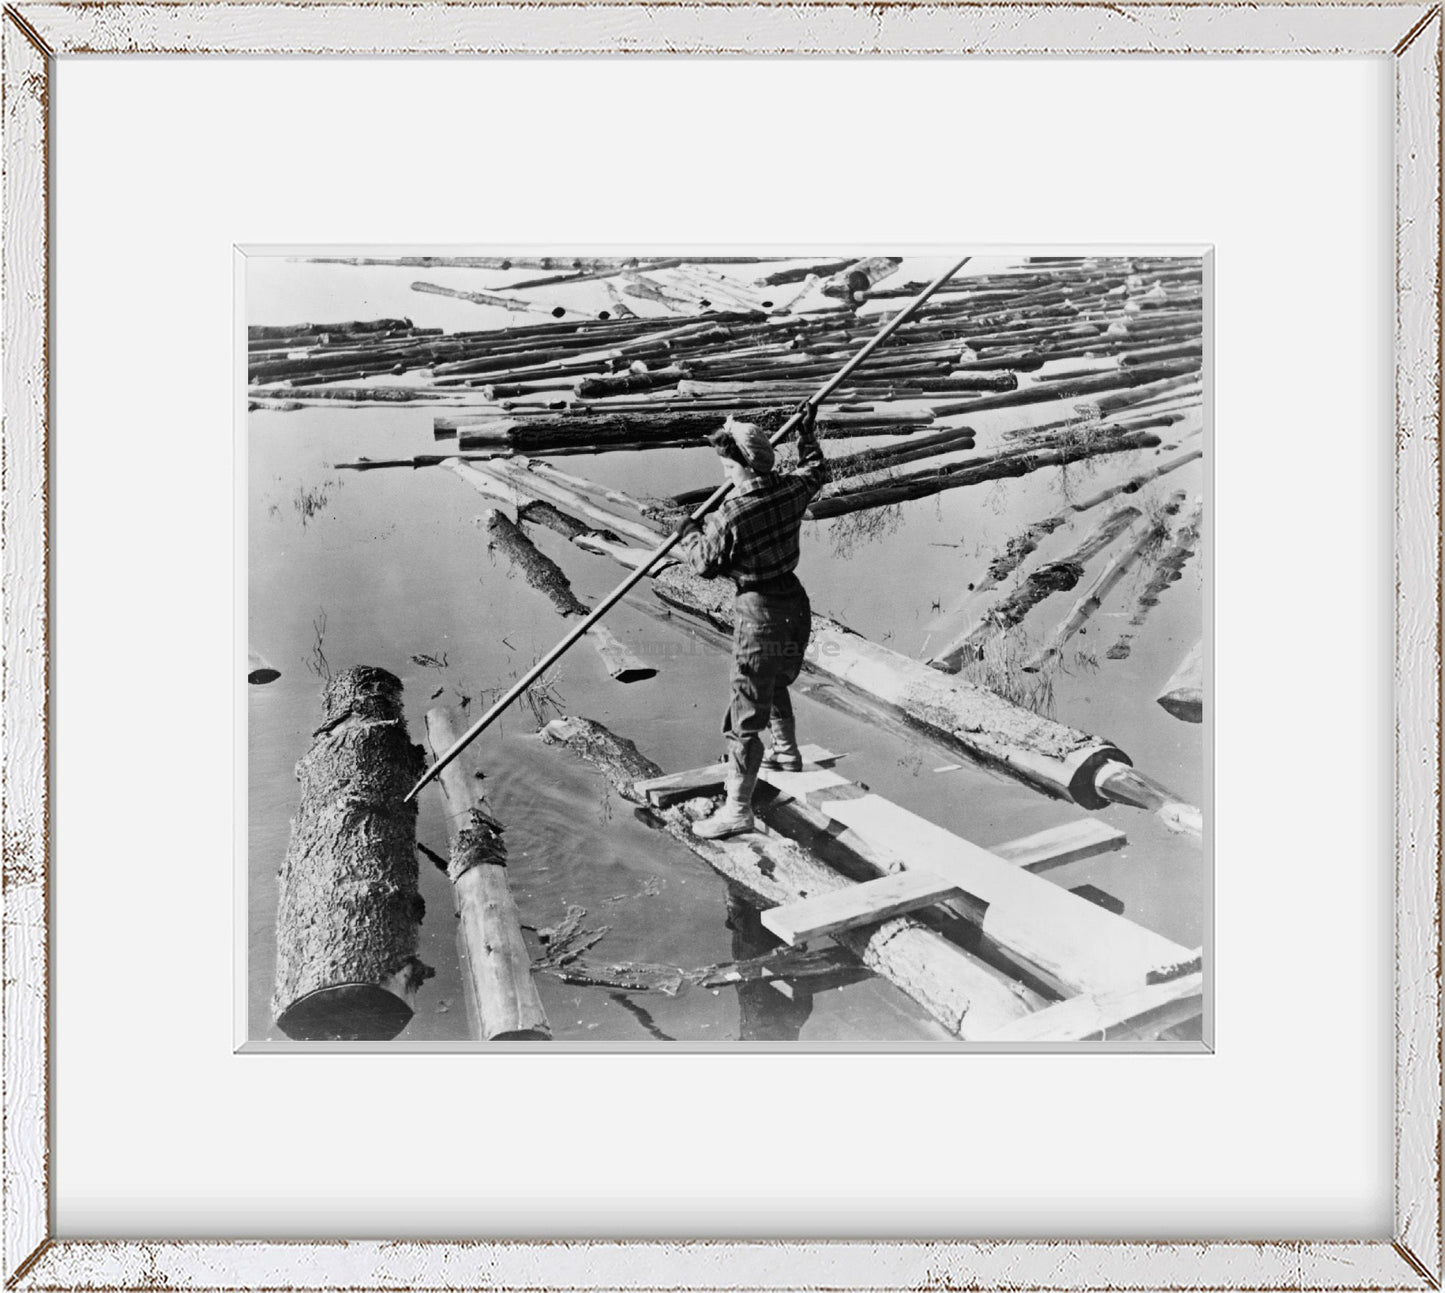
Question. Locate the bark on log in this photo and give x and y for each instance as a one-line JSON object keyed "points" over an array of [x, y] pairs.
{"points": [[963, 994], [1183, 694], [1108, 381], [261, 331], [494, 954], [973, 472], [626, 383], [349, 917], [801, 273]]}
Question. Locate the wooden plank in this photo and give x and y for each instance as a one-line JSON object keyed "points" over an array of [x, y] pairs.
{"points": [[1077, 944], [675, 787], [1140, 1012], [861, 904], [1070, 842]]}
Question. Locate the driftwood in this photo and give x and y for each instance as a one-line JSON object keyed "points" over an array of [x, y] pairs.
{"points": [[349, 916], [1183, 694], [966, 996], [502, 998]]}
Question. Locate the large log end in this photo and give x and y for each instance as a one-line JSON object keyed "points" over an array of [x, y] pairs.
{"points": [[355, 1012]]}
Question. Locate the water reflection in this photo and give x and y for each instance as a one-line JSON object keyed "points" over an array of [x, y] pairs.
{"points": [[765, 1012]]}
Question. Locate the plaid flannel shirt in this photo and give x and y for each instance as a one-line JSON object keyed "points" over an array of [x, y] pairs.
{"points": [[753, 535]]}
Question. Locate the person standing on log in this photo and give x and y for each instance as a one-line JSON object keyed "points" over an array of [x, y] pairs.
{"points": [[752, 539]]}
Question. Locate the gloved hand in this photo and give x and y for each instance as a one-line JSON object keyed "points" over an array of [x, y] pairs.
{"points": [[807, 413]]}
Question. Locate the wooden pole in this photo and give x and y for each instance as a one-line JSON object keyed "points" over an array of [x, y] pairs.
{"points": [[349, 917], [494, 953]]}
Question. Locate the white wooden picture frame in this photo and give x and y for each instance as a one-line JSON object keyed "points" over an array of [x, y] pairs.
{"points": [[37, 35]]}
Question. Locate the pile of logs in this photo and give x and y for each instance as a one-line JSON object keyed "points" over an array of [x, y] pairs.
{"points": [[629, 380]]}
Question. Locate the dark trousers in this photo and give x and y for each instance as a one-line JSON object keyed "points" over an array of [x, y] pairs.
{"points": [[769, 639]]}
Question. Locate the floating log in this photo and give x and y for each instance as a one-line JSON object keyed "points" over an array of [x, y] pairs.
{"points": [[620, 308], [858, 277], [1134, 483], [801, 273], [546, 576], [962, 993], [1058, 760], [513, 303], [1016, 550], [1107, 381], [262, 331], [260, 670], [1153, 355], [602, 432], [360, 394], [506, 480], [627, 383], [418, 460], [501, 994], [642, 287], [349, 916], [1149, 535], [972, 472], [1052, 577], [1183, 694]]}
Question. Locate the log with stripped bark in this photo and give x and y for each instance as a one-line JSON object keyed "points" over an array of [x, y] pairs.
{"points": [[502, 999]]}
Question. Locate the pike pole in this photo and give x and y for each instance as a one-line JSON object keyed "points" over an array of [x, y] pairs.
{"points": [[702, 509]]}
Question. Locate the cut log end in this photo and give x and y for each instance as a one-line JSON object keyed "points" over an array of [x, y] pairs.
{"points": [[345, 1012]]}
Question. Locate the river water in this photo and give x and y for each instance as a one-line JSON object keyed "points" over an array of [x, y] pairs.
{"points": [[390, 568]]}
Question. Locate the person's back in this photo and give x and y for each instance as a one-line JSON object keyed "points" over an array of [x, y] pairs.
{"points": [[753, 539]]}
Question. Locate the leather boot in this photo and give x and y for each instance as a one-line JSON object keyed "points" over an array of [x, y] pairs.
{"points": [[735, 816], [783, 754]]}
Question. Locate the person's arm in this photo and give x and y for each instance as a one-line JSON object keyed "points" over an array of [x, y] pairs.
{"points": [[707, 548], [812, 467]]}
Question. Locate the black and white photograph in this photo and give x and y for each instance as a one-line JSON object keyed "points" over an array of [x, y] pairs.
{"points": [[717, 649]]}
